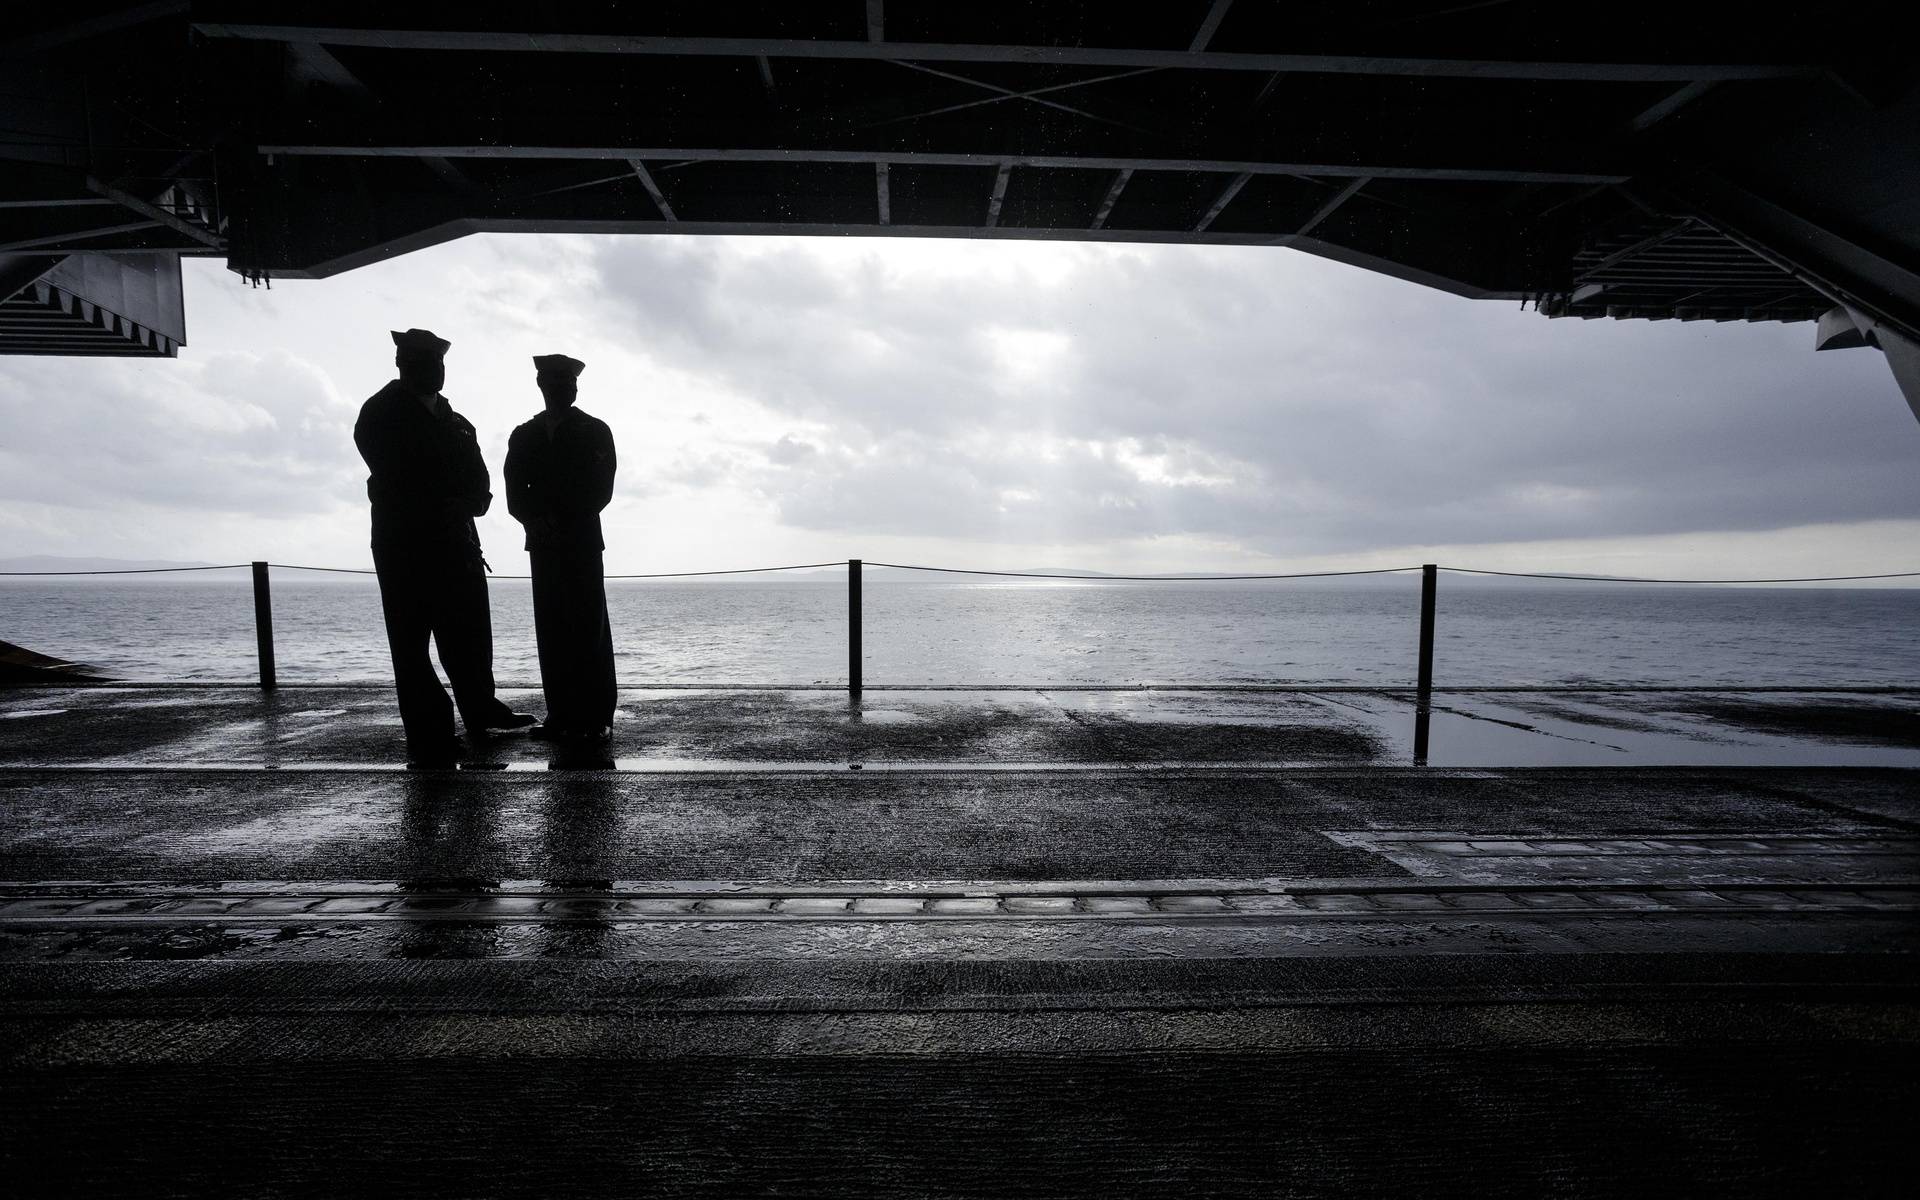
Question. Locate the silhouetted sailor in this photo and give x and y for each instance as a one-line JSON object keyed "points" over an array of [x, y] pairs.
{"points": [[559, 476], [427, 482]]}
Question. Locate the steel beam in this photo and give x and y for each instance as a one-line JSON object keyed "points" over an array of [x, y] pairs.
{"points": [[1050, 56], [62, 202], [1107, 162]]}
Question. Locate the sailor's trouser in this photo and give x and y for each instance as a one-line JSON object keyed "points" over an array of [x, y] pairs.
{"points": [[576, 644], [442, 595]]}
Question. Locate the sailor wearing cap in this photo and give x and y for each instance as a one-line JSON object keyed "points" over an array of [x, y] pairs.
{"points": [[559, 476], [427, 482]]}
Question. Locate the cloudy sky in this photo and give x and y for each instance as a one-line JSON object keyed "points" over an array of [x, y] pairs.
{"points": [[989, 404]]}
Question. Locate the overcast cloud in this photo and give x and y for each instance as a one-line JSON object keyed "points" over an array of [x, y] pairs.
{"points": [[989, 403]]}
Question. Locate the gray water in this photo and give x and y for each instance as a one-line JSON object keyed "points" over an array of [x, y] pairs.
{"points": [[201, 628]]}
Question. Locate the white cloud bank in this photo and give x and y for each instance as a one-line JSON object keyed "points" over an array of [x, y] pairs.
{"points": [[991, 404]]}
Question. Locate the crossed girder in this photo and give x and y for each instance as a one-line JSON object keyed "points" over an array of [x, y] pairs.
{"points": [[1672, 161]]}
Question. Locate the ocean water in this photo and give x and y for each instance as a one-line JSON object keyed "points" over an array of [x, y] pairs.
{"points": [[201, 628]]}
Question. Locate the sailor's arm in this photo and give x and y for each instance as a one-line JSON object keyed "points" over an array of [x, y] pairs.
{"points": [[519, 487], [599, 473], [470, 485], [395, 474]]}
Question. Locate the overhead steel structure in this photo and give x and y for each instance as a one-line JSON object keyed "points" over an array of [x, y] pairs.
{"points": [[1670, 161]]}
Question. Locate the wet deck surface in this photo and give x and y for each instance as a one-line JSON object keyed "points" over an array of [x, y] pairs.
{"points": [[981, 943], [985, 729]]}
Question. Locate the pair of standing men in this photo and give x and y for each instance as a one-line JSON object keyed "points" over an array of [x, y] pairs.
{"points": [[427, 482]]}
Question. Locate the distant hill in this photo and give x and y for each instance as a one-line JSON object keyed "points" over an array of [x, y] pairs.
{"points": [[52, 562]]}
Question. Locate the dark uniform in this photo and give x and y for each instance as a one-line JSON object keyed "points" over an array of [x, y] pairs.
{"points": [[427, 483], [559, 476]]}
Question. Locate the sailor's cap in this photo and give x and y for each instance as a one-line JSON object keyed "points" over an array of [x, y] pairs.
{"points": [[420, 341], [558, 364]]}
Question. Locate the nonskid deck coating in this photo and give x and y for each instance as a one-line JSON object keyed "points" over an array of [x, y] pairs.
{"points": [[302, 970]]}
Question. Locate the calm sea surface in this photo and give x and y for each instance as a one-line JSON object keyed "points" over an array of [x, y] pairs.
{"points": [[1024, 633]]}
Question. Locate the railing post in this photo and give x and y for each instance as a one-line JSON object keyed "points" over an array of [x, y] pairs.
{"points": [[1429, 577], [853, 626], [263, 624]]}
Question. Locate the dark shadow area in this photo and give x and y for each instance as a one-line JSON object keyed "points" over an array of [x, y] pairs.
{"points": [[1825, 720], [1681, 1116], [583, 832], [19, 665]]}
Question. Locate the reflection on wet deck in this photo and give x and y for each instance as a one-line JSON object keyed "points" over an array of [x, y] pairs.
{"points": [[1016, 728]]}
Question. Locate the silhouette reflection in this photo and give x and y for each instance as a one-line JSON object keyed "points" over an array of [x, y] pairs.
{"points": [[449, 847], [579, 756], [1422, 717], [579, 838]]}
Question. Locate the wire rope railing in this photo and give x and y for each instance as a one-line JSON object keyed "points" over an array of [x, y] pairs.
{"points": [[1429, 578], [135, 570], [1095, 578], [1641, 579]]}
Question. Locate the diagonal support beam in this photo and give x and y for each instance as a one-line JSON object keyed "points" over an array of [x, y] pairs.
{"points": [[318, 63], [156, 215], [1120, 178], [1672, 103], [653, 189], [1210, 26], [1006, 93], [1267, 90], [999, 194], [126, 17], [1640, 247], [1330, 207], [449, 174], [63, 240], [1222, 200]]}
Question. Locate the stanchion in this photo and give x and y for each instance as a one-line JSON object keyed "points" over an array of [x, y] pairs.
{"points": [[853, 627], [263, 624], [1429, 581]]}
